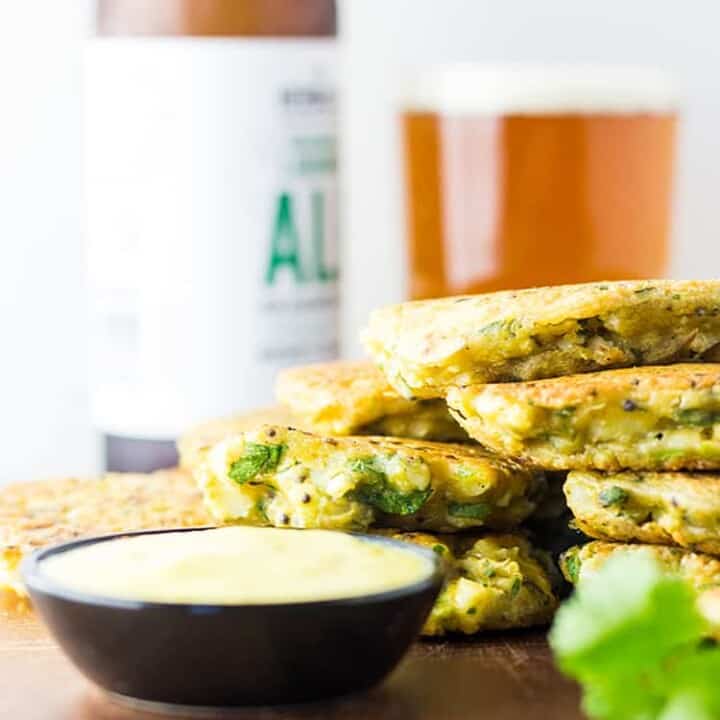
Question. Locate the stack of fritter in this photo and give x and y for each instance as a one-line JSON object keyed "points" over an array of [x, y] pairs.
{"points": [[471, 399], [450, 439], [531, 375], [348, 452]]}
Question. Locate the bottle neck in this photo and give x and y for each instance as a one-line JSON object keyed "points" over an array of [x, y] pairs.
{"points": [[218, 18]]}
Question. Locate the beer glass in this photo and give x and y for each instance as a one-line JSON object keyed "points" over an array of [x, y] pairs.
{"points": [[523, 176]]}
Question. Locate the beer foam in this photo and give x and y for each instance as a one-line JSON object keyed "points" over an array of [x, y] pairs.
{"points": [[537, 89]]}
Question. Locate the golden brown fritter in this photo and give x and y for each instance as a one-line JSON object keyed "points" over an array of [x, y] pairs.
{"points": [[426, 346], [649, 418], [668, 508], [354, 398], [703, 571], [37, 514], [494, 582], [285, 477]]}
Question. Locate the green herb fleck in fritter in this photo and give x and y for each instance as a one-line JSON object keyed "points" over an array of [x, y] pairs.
{"points": [[375, 490], [613, 495], [257, 459], [572, 565], [696, 416]]}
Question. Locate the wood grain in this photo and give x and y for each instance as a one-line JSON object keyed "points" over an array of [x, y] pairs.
{"points": [[500, 677]]}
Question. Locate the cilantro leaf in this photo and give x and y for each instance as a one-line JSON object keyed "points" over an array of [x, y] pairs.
{"points": [[367, 467], [376, 490], [256, 459], [695, 680], [633, 605], [631, 635]]}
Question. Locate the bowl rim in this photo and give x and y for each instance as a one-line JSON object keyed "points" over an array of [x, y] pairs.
{"points": [[37, 581]]}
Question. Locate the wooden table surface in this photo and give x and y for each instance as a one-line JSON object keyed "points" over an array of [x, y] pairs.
{"points": [[502, 677]]}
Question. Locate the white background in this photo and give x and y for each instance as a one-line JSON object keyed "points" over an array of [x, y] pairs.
{"points": [[44, 422]]}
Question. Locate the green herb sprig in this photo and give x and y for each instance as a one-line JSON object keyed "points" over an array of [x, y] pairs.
{"points": [[635, 640]]}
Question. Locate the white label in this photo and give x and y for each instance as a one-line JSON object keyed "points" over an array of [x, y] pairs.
{"points": [[212, 213]]}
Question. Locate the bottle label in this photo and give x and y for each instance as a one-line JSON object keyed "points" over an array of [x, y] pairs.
{"points": [[212, 216]]}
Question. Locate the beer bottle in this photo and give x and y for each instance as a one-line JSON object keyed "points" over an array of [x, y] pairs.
{"points": [[211, 197]]}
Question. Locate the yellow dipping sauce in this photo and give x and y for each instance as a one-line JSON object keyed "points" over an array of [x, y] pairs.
{"points": [[237, 566]]}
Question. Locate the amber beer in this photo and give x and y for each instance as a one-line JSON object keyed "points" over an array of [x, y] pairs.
{"points": [[522, 177]]}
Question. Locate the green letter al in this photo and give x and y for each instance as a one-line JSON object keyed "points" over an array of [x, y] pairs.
{"points": [[285, 248]]}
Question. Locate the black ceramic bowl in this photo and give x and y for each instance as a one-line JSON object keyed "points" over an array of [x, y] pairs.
{"points": [[224, 655]]}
